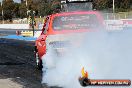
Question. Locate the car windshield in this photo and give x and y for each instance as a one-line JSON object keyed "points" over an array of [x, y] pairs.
{"points": [[75, 22]]}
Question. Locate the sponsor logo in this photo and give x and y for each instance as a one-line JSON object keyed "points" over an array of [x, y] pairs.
{"points": [[86, 81]]}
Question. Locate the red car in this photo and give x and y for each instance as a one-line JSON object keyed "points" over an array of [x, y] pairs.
{"points": [[64, 24]]}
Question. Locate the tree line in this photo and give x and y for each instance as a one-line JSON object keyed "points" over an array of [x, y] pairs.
{"points": [[12, 9]]}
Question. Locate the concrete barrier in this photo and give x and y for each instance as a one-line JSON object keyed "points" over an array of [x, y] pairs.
{"points": [[14, 26], [114, 24], [121, 24]]}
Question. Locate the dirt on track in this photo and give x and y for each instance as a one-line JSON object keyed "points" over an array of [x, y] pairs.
{"points": [[17, 65]]}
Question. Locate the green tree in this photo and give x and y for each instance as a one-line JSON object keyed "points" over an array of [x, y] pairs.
{"points": [[23, 11], [44, 7], [47, 7], [124, 5], [8, 6], [16, 10], [120, 5], [100, 4], [31, 5]]}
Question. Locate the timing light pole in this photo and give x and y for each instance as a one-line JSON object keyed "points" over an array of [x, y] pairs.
{"points": [[27, 7], [2, 12], [31, 13], [113, 6]]}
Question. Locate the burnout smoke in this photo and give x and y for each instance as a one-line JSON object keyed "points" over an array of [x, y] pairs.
{"points": [[105, 55]]}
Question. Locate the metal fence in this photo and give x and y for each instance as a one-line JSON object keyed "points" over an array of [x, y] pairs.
{"points": [[117, 16], [107, 16]]}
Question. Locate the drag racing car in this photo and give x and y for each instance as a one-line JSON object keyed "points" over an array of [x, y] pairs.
{"points": [[58, 29]]}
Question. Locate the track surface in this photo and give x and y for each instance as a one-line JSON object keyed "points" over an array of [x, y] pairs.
{"points": [[17, 62]]}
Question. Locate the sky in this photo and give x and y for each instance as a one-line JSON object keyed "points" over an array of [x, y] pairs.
{"points": [[17, 0], [14, 0]]}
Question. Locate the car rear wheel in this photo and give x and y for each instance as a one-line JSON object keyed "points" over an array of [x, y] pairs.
{"points": [[38, 61]]}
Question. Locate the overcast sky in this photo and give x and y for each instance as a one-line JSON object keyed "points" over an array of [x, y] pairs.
{"points": [[17, 0], [14, 0]]}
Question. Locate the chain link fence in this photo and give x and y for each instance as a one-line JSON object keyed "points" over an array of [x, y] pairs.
{"points": [[117, 16]]}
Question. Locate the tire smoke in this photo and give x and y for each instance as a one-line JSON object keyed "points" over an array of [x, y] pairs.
{"points": [[105, 55]]}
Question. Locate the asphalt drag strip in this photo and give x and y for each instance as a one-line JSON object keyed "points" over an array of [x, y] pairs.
{"points": [[17, 65]]}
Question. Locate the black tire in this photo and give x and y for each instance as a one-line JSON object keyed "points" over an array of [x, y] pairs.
{"points": [[39, 63]]}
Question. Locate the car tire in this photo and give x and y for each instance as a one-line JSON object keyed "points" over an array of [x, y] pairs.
{"points": [[39, 64]]}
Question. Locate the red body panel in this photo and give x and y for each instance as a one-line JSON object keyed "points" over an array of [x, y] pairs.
{"points": [[52, 32], [41, 45], [40, 42]]}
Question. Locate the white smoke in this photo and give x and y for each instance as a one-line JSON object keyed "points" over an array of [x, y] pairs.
{"points": [[105, 55]]}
